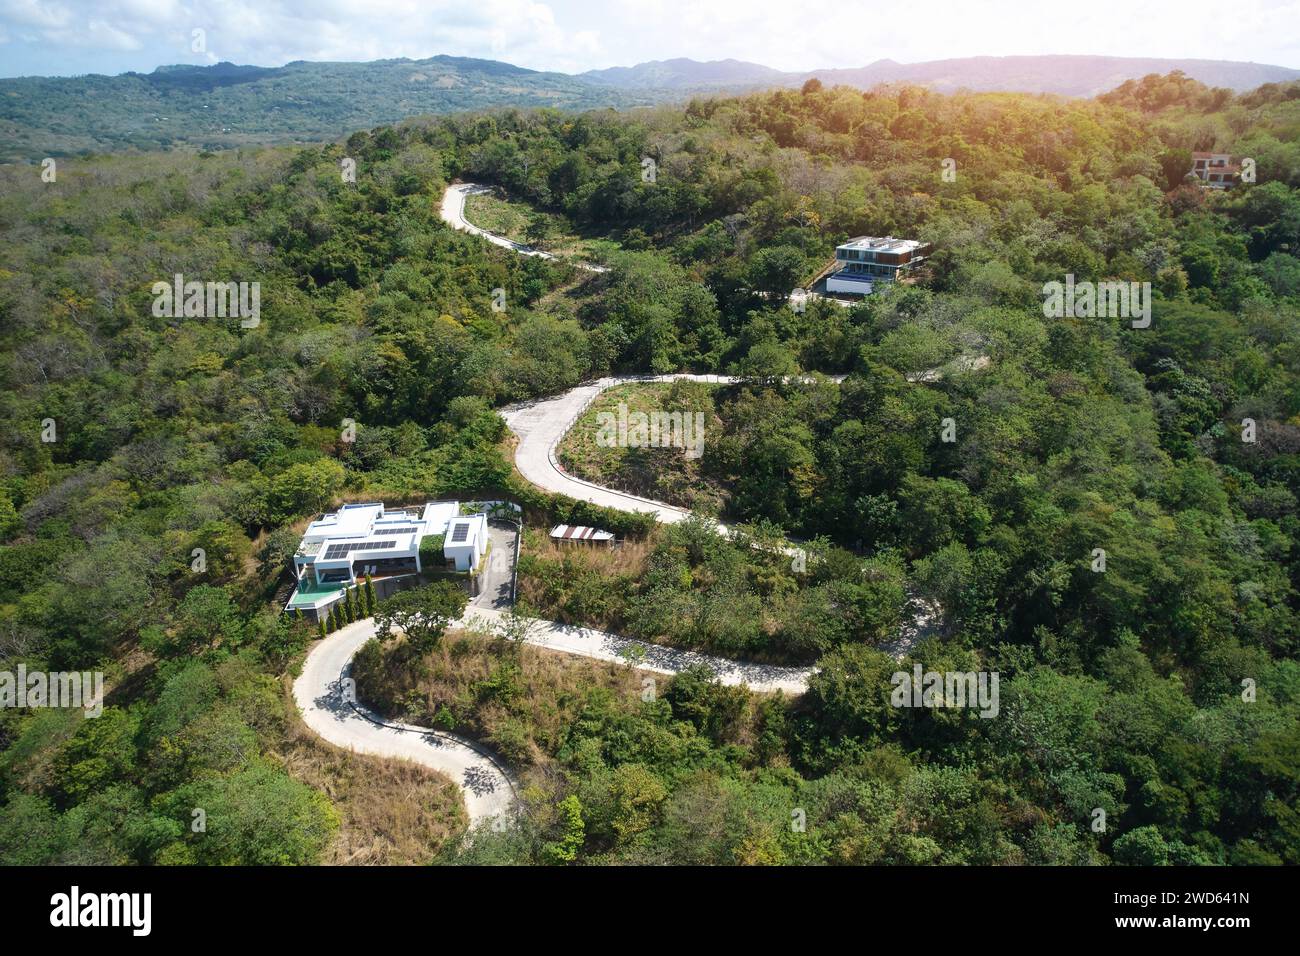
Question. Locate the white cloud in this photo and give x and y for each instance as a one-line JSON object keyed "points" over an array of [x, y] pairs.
{"points": [[35, 13], [101, 34]]}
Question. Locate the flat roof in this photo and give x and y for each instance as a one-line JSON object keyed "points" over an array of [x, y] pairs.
{"points": [[576, 532], [462, 530], [354, 519], [343, 551], [438, 514], [364, 520], [365, 530], [882, 244]]}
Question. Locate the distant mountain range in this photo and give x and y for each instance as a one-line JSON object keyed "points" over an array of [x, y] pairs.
{"points": [[1064, 75], [228, 105], [684, 74]]}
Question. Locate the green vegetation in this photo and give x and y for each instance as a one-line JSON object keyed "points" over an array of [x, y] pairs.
{"points": [[660, 473], [1164, 689], [123, 787], [548, 231], [421, 614], [226, 105], [737, 597]]}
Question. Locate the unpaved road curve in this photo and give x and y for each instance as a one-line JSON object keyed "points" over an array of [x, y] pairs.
{"points": [[453, 213], [604, 646], [542, 423], [323, 699]]}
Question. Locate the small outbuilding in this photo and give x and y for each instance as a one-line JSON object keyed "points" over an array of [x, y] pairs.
{"points": [[580, 534]]}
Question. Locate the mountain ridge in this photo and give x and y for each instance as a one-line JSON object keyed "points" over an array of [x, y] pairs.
{"points": [[1066, 74], [226, 105]]}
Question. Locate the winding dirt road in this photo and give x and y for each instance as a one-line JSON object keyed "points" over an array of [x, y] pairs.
{"points": [[326, 697], [325, 693]]}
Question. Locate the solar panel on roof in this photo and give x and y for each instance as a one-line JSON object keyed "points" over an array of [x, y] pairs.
{"points": [[342, 550], [395, 530], [459, 533]]}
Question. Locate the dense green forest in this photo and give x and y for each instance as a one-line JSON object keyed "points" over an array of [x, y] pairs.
{"points": [[1164, 690]]}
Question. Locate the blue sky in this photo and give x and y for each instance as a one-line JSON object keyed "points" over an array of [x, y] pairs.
{"points": [[110, 36]]}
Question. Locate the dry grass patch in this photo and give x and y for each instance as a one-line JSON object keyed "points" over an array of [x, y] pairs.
{"points": [[519, 700], [512, 219], [629, 557], [393, 812], [575, 584]]}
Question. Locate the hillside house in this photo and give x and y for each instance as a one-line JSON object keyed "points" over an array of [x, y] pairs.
{"points": [[340, 548], [866, 260], [1216, 170]]}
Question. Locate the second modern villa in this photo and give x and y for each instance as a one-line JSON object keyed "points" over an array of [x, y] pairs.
{"points": [[861, 262], [1216, 170], [341, 548]]}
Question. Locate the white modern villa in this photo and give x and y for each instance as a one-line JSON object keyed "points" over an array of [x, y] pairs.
{"points": [[339, 549], [861, 262], [1216, 170]]}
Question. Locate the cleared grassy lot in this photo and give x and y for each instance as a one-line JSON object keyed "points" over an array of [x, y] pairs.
{"points": [[542, 230], [391, 813], [664, 474], [519, 700]]}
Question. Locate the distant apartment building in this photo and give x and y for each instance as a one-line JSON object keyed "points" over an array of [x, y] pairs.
{"points": [[1216, 170], [341, 548], [866, 260]]}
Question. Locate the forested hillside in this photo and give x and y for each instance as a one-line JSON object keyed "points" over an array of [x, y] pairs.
{"points": [[1164, 690], [227, 105]]}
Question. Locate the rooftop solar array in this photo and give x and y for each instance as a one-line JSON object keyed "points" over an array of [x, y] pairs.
{"points": [[459, 533], [391, 531], [342, 550]]}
